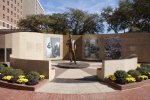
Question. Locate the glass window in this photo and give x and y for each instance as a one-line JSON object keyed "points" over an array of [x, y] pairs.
{"points": [[11, 20], [14, 14], [8, 53], [2, 54], [8, 18], [8, 3], [7, 10], [11, 12], [11, 5], [3, 0], [3, 24], [3, 7], [7, 25], [3, 15]]}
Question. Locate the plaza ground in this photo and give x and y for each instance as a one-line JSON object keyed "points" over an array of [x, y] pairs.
{"points": [[76, 84]]}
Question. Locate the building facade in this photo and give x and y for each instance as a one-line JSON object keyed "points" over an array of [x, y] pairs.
{"points": [[12, 10], [31, 7]]}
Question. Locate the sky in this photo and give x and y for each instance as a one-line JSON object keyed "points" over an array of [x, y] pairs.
{"points": [[91, 6]]}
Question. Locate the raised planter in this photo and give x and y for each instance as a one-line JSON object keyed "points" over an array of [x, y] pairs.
{"points": [[22, 86], [128, 86]]}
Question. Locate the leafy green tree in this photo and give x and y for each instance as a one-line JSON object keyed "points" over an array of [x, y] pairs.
{"points": [[81, 22], [36, 23], [74, 21], [133, 15], [109, 17], [58, 23]]}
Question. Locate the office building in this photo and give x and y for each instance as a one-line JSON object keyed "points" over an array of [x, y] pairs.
{"points": [[13, 10]]}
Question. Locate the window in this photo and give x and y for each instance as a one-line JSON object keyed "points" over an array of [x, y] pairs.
{"points": [[7, 10], [11, 20], [3, 24], [3, 15], [18, 16], [11, 5], [18, 4], [11, 27], [3, 7], [14, 14], [21, 1], [3, 0], [8, 18], [15, 21], [8, 3], [7, 25], [11, 12], [18, 10], [15, 1], [15, 8]]}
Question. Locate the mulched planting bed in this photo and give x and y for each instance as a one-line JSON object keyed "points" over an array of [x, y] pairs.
{"points": [[22, 86], [129, 85]]}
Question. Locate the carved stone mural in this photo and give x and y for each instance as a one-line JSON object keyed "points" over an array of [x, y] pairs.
{"points": [[53, 47], [91, 49], [112, 48]]}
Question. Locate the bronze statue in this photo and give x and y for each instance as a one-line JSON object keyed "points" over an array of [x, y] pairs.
{"points": [[72, 47]]}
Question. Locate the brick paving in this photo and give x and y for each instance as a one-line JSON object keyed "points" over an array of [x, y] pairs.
{"points": [[142, 93]]}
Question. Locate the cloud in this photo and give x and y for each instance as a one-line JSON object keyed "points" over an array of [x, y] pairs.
{"points": [[92, 6]]}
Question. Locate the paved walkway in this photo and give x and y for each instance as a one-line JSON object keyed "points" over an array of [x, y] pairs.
{"points": [[76, 81]]}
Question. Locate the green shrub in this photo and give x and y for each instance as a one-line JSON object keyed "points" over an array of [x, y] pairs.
{"points": [[6, 70], [143, 70], [138, 79], [121, 81], [17, 72], [134, 73], [147, 67], [33, 75], [1, 65], [120, 74]]}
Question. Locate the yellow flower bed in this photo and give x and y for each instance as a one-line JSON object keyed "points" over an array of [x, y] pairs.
{"points": [[42, 77], [22, 80], [21, 76], [143, 77], [7, 78], [131, 79], [112, 77], [139, 65]]}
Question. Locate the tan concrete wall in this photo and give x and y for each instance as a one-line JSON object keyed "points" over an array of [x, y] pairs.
{"points": [[41, 66], [109, 67], [137, 43], [28, 45]]}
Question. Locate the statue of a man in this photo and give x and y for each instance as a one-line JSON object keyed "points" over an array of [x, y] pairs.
{"points": [[72, 47]]}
